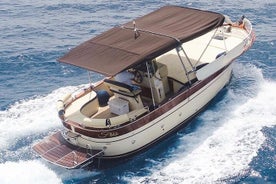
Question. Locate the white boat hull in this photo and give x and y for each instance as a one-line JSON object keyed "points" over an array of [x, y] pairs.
{"points": [[141, 138]]}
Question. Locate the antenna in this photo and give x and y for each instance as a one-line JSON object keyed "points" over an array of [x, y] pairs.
{"points": [[136, 32]]}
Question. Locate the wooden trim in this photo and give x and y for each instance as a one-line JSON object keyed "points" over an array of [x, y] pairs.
{"points": [[175, 80]]}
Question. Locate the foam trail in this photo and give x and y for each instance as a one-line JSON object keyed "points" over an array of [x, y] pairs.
{"points": [[29, 117], [25, 172], [22, 120], [76, 175], [224, 144]]}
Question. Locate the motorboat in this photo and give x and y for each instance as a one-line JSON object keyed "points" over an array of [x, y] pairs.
{"points": [[159, 71]]}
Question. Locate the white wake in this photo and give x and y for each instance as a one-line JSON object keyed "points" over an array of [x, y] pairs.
{"points": [[31, 116], [26, 172], [21, 121], [227, 140]]}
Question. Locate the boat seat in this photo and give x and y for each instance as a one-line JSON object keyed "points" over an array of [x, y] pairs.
{"points": [[122, 88], [91, 106], [126, 92], [163, 72]]}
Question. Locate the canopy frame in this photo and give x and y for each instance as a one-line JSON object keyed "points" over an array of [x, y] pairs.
{"points": [[159, 32]]}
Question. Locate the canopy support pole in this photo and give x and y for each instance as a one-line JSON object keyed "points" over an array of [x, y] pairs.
{"points": [[183, 65], [151, 90], [90, 81], [206, 47], [224, 41], [181, 48]]}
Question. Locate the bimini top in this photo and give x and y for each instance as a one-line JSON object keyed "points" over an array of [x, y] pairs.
{"points": [[152, 35]]}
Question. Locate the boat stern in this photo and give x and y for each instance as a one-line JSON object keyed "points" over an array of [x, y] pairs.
{"points": [[55, 149]]}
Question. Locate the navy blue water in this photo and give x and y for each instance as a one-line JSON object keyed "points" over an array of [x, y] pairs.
{"points": [[232, 141]]}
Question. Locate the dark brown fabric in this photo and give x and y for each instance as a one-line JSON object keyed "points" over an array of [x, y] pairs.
{"points": [[117, 49]]}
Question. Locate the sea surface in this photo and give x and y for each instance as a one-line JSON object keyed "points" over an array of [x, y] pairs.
{"points": [[232, 141]]}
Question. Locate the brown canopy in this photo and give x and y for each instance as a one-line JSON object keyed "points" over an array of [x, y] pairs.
{"points": [[158, 32]]}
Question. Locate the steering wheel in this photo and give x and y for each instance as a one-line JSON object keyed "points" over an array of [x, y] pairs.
{"points": [[138, 77]]}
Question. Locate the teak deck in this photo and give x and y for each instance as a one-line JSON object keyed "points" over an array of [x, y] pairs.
{"points": [[57, 150]]}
